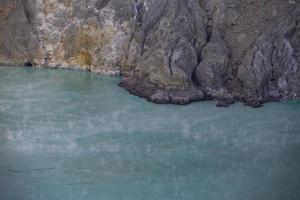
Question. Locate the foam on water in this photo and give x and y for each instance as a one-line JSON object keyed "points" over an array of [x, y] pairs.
{"points": [[75, 135]]}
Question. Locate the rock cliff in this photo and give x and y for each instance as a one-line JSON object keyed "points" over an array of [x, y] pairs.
{"points": [[168, 51]]}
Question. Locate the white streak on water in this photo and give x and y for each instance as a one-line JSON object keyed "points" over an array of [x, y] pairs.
{"points": [[106, 144]]}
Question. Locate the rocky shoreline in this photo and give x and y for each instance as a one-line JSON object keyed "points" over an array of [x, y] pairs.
{"points": [[160, 96], [185, 97]]}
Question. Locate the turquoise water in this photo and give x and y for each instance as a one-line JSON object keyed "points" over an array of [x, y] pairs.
{"points": [[74, 135]]}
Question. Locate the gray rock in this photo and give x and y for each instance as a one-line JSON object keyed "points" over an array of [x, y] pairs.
{"points": [[213, 72], [168, 51]]}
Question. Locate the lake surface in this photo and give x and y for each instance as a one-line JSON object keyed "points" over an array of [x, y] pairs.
{"points": [[71, 135]]}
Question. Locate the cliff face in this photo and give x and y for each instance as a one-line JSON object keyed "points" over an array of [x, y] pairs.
{"points": [[169, 51]]}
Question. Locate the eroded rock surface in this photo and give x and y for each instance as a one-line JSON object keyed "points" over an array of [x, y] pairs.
{"points": [[168, 51]]}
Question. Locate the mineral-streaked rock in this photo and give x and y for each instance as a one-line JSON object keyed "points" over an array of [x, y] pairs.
{"points": [[168, 51]]}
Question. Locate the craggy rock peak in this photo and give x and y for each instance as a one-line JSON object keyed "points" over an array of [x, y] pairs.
{"points": [[168, 51]]}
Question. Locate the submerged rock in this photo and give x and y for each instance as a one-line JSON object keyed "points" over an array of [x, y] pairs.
{"points": [[168, 51]]}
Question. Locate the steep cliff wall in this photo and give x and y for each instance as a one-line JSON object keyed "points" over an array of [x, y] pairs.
{"points": [[169, 51]]}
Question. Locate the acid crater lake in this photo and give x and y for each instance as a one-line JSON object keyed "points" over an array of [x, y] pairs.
{"points": [[74, 135]]}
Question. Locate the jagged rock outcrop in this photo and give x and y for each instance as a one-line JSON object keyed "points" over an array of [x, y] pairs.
{"points": [[168, 51]]}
